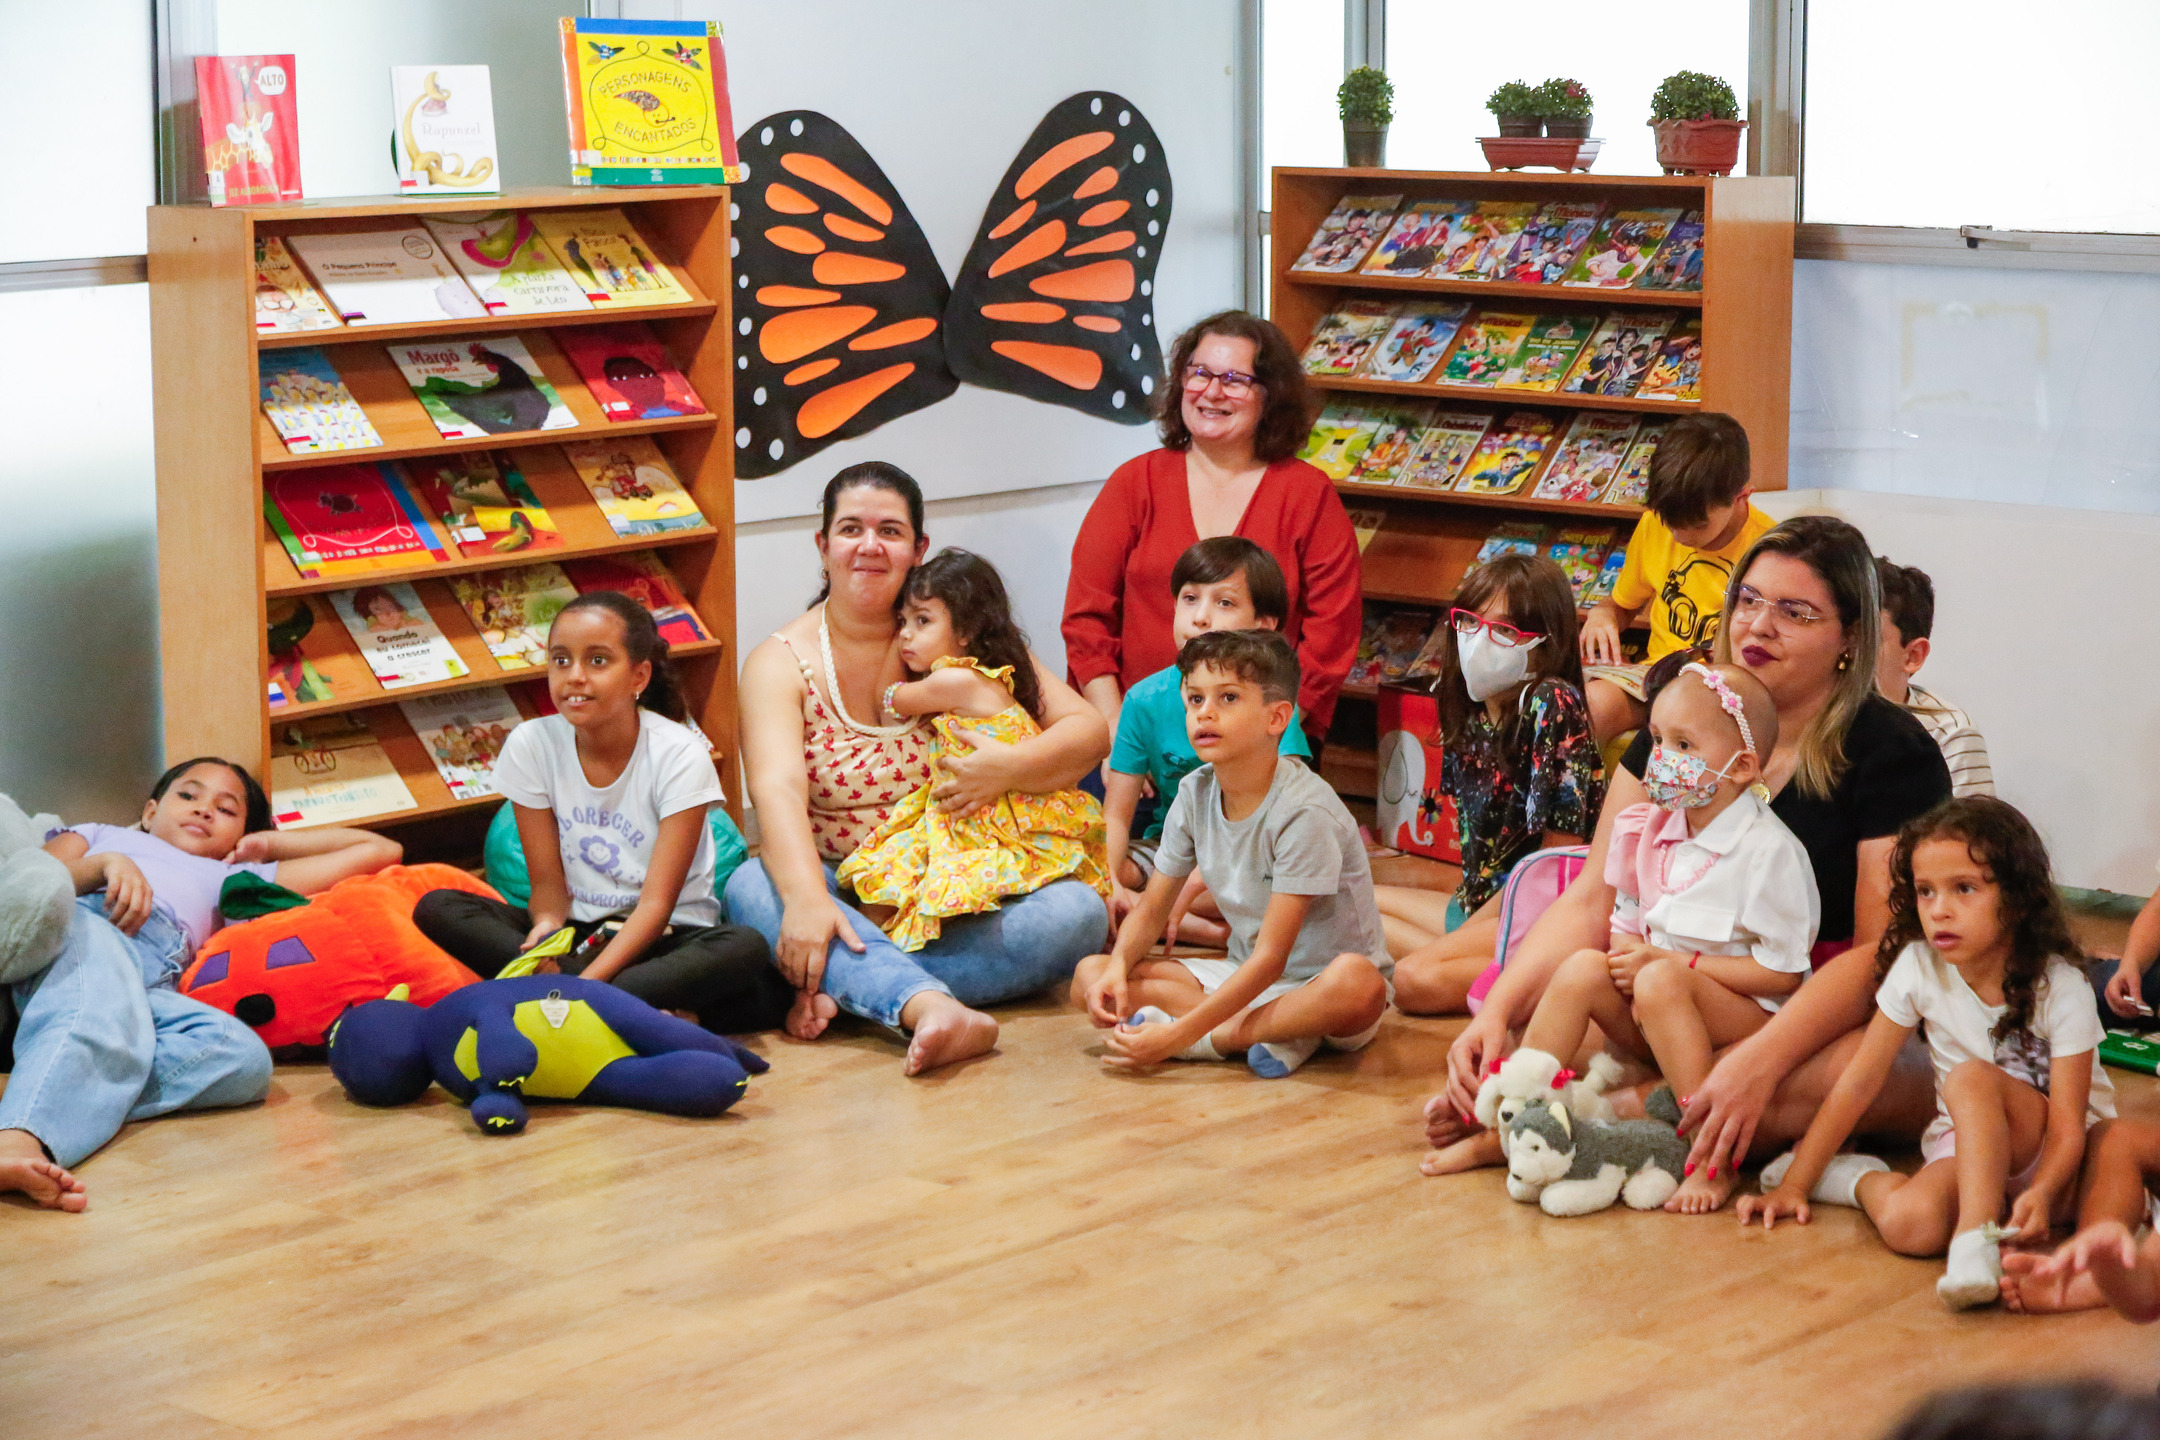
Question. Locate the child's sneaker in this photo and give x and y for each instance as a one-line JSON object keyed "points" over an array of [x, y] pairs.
{"points": [[1201, 1049], [1973, 1274], [1274, 1059]]}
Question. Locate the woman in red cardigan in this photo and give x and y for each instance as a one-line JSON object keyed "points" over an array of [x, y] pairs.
{"points": [[1232, 417]]}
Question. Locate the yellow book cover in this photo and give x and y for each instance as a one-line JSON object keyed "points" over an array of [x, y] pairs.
{"points": [[648, 103], [604, 253], [631, 483]]}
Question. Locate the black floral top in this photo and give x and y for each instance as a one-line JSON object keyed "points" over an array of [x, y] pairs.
{"points": [[1503, 810]]}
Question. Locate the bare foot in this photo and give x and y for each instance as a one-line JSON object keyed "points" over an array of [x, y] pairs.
{"points": [[2028, 1293], [1444, 1124], [810, 1014], [947, 1032], [1703, 1193], [44, 1182], [1481, 1149]]}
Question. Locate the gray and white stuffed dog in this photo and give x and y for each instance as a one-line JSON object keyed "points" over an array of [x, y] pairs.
{"points": [[1533, 1077], [37, 898], [1576, 1166]]}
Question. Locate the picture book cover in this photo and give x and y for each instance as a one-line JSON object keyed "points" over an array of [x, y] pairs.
{"points": [[284, 300], [1580, 552], [644, 578], [1402, 636], [1676, 373], [605, 253], [1433, 654], [1508, 456], [1608, 575], [250, 118], [634, 487], [506, 263], [1394, 439], [1551, 241], [1614, 361], [1346, 335], [331, 770], [1365, 524], [628, 371], [1633, 481], [1512, 537], [444, 142], [1584, 465], [397, 637], [1678, 265], [1350, 230], [1415, 341], [648, 103], [1339, 438], [1547, 351], [472, 389], [1484, 242], [463, 733], [387, 277], [512, 610], [482, 502], [294, 680], [1365, 669], [1444, 448], [1487, 348], [1418, 239], [348, 519], [1621, 249], [308, 404]]}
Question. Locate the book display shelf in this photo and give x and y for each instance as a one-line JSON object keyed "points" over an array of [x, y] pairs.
{"points": [[1429, 538], [222, 571]]}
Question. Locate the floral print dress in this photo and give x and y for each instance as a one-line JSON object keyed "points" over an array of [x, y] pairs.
{"points": [[1505, 807]]}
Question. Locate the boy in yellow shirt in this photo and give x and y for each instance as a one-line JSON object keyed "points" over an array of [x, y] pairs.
{"points": [[1698, 524]]}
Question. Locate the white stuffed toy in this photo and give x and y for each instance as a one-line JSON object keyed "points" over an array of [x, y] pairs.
{"points": [[1533, 1076], [37, 896], [1577, 1166]]}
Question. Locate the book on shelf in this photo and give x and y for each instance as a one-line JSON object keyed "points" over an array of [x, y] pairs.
{"points": [[506, 263], [1349, 232], [1678, 265], [294, 680], [1676, 373], [472, 389], [512, 610], [1632, 482], [1616, 357], [444, 140], [1402, 637], [1512, 537], [1415, 341], [1365, 523], [1600, 590], [1394, 440], [247, 106], [1365, 669], [463, 733], [1621, 249], [1484, 241], [632, 483], [1346, 335], [308, 405], [397, 637], [1486, 348], [1579, 551], [605, 253], [1508, 455], [330, 770], [284, 300], [349, 520], [1432, 656], [1340, 437], [628, 371], [1444, 447], [393, 276], [1551, 241], [1547, 351], [483, 503], [646, 579], [647, 102], [1418, 240], [1584, 465]]}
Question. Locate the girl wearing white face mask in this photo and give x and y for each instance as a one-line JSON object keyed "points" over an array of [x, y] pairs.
{"points": [[1517, 761]]}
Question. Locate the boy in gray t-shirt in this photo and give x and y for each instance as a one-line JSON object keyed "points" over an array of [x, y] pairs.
{"points": [[1308, 961]]}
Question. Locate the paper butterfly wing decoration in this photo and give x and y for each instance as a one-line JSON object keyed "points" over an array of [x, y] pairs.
{"points": [[839, 302], [1056, 298]]}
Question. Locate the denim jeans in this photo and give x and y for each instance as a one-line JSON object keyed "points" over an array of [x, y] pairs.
{"points": [[1032, 941], [105, 1039]]}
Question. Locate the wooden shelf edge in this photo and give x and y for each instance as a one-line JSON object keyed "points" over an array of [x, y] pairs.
{"points": [[1590, 509], [513, 440], [1508, 289], [1568, 179], [281, 713], [515, 560], [486, 325], [526, 197], [1489, 395]]}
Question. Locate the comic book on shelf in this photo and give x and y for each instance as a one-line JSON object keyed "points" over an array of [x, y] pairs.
{"points": [[1415, 341], [1508, 456], [1339, 438], [1512, 537], [1487, 238], [1443, 449], [483, 503], [1547, 351], [1551, 241], [1487, 348], [1608, 575], [1394, 440], [308, 405], [506, 263], [248, 108], [1433, 654], [1419, 239], [1633, 480], [1621, 249], [397, 275], [629, 372], [1350, 230], [349, 520], [1676, 373], [397, 637], [605, 253], [284, 300], [1584, 465], [1579, 552], [463, 733], [1616, 357], [330, 770], [1402, 636], [1365, 669], [1679, 261], [635, 488], [1345, 336], [472, 389], [512, 610], [646, 579]]}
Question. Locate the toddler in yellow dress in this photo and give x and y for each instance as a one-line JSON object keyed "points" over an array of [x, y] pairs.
{"points": [[957, 634]]}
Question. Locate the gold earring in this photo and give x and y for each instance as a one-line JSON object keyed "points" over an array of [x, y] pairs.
{"points": [[1844, 662]]}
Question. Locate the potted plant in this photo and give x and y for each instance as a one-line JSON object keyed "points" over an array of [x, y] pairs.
{"points": [[1516, 106], [1698, 124], [1565, 107], [1366, 101]]}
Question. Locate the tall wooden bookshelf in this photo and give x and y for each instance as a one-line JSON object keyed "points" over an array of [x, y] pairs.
{"points": [[1430, 538], [220, 568]]}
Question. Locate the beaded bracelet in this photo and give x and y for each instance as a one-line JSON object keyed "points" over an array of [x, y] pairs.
{"points": [[886, 700]]}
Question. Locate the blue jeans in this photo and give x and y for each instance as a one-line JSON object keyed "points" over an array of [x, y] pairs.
{"points": [[104, 1039], [1032, 941]]}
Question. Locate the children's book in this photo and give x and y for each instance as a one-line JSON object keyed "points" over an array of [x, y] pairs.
{"points": [[1608, 575], [633, 486], [1621, 249], [1484, 242], [1676, 373], [463, 733], [1418, 241], [1551, 241], [330, 770], [1547, 351], [247, 106], [1579, 553], [1346, 336], [396, 276], [1596, 446], [1365, 669], [605, 253], [483, 504], [645, 579], [1365, 524], [1340, 437], [294, 680], [1508, 456], [348, 520], [1402, 637], [444, 142], [628, 371], [507, 264], [1394, 440], [1678, 265], [1512, 537], [1443, 449], [399, 639], [1633, 481], [1487, 348], [648, 103], [512, 610], [308, 404], [1351, 229], [472, 389], [1432, 656], [284, 301], [1415, 342], [1616, 357]]}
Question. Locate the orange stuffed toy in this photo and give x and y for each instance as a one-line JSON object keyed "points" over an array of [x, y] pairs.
{"points": [[291, 974]]}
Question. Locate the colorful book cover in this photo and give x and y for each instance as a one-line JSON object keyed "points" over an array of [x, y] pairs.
{"points": [[284, 300], [1633, 482], [1365, 524], [1394, 440], [1551, 241], [1484, 242], [308, 404], [628, 371], [1512, 537], [1580, 553], [1365, 669], [444, 142], [348, 519], [294, 680], [1679, 261], [1508, 456], [397, 637], [472, 389], [1340, 437], [1415, 341], [387, 277], [648, 103], [512, 610], [645, 579], [330, 771], [634, 487], [1584, 465], [1676, 373], [1547, 351], [1616, 357], [1621, 249], [483, 504], [1487, 348], [247, 105], [1444, 449], [463, 733], [1608, 575], [1433, 655], [506, 263], [1346, 335], [1419, 238], [1402, 637], [1350, 230], [605, 253]]}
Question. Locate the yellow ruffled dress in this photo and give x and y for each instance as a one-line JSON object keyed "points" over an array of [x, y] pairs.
{"points": [[927, 864]]}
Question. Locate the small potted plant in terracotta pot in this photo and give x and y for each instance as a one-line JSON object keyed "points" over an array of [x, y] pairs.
{"points": [[1516, 106], [1366, 101], [1698, 124], [1565, 107]]}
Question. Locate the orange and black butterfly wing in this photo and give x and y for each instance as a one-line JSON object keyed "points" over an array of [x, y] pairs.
{"points": [[1056, 298], [839, 302]]}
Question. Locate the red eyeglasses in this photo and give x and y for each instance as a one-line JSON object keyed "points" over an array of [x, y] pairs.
{"points": [[1469, 622]]}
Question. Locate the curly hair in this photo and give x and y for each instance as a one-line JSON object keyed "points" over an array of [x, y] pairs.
{"points": [[1286, 407], [973, 594], [2003, 841]]}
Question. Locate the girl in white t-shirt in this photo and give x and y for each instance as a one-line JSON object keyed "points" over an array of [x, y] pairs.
{"points": [[610, 794], [1978, 949]]}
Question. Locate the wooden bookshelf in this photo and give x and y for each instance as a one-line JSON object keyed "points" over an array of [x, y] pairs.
{"points": [[220, 567]]}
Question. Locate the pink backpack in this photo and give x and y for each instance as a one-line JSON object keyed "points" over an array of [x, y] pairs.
{"points": [[1532, 886]]}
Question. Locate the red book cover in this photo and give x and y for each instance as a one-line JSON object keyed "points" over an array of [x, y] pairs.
{"points": [[628, 371], [352, 513], [644, 579], [250, 128]]}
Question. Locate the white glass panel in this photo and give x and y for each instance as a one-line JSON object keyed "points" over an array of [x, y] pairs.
{"points": [[77, 106], [1301, 65]]}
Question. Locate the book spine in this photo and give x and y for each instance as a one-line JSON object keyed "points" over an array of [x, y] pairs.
{"points": [[302, 562], [394, 479], [574, 103]]}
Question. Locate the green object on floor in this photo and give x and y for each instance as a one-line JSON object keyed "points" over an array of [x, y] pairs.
{"points": [[506, 856], [249, 897], [2130, 1052]]}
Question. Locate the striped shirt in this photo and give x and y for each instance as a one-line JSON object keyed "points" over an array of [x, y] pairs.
{"points": [[1962, 748]]}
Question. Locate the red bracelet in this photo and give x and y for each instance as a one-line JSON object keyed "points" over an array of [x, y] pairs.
{"points": [[1691, 963]]}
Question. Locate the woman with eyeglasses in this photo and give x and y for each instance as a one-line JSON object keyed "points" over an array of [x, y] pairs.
{"points": [[1232, 416], [1802, 614]]}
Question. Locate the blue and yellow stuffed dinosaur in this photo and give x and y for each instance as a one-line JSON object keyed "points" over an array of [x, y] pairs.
{"points": [[499, 1043]]}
